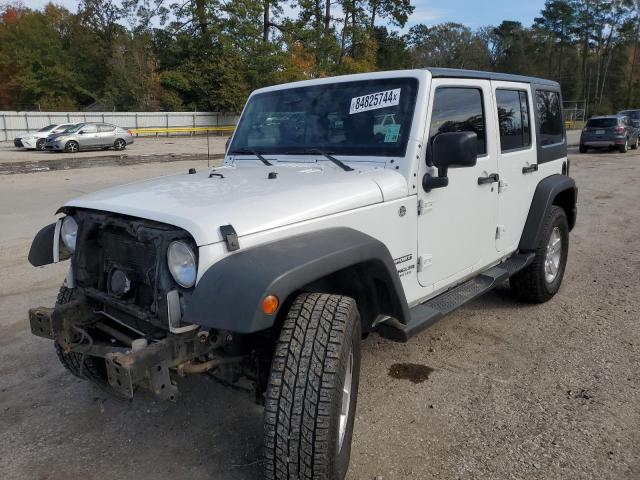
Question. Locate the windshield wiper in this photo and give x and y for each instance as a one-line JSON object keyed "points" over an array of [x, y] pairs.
{"points": [[251, 151], [311, 151]]}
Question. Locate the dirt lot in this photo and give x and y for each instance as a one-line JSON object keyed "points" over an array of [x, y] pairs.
{"points": [[517, 391], [141, 147]]}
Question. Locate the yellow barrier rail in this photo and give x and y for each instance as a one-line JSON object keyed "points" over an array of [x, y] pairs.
{"points": [[223, 129]]}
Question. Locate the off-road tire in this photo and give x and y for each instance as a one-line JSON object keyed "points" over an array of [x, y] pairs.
{"points": [[530, 284], [304, 393], [583, 148], [94, 369]]}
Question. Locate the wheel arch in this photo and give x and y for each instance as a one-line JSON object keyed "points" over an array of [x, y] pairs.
{"points": [[335, 260], [558, 190]]}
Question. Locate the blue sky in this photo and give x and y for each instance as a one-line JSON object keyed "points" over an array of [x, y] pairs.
{"points": [[473, 13]]}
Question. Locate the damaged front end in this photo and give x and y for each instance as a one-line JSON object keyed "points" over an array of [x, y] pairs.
{"points": [[125, 309]]}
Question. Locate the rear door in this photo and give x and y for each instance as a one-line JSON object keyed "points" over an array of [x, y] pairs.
{"points": [[517, 160], [107, 134], [457, 223]]}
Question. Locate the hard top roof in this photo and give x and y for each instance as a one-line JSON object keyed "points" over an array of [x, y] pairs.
{"points": [[503, 77]]}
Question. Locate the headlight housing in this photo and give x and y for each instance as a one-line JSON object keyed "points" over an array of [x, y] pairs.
{"points": [[182, 263], [69, 232]]}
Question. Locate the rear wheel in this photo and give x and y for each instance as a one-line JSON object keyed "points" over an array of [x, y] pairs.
{"points": [[89, 368], [313, 386], [634, 145], [541, 280], [71, 146], [119, 144], [624, 147], [583, 148]]}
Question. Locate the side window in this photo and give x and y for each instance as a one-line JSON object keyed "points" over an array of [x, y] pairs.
{"points": [[459, 109], [89, 128], [513, 116], [550, 114], [103, 127]]}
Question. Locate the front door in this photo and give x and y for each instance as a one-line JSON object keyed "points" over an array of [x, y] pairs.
{"points": [[457, 224], [88, 136]]}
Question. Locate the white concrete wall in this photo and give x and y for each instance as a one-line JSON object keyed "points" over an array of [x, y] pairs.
{"points": [[13, 124]]}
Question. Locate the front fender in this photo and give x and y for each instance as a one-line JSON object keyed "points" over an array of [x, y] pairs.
{"points": [[42, 247], [230, 293]]}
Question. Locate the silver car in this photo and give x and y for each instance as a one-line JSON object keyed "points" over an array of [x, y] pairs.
{"points": [[89, 136]]}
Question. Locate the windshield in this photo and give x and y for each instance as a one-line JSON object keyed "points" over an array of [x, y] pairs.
{"points": [[48, 127], [602, 122], [371, 117], [633, 114]]}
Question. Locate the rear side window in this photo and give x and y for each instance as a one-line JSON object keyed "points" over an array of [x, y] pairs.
{"points": [[457, 109], [550, 115], [103, 127], [602, 122], [89, 128], [513, 115]]}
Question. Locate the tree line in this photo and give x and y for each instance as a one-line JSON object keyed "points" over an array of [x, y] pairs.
{"points": [[210, 54]]}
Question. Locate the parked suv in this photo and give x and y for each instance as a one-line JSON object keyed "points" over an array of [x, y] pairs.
{"points": [[633, 115], [88, 136], [612, 131], [273, 266], [36, 140]]}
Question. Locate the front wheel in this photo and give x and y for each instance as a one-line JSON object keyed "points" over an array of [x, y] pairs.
{"points": [[313, 385], [87, 368], [40, 144], [71, 146], [541, 280]]}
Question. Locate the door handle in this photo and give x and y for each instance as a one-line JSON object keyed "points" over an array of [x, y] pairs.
{"points": [[530, 168], [494, 177]]}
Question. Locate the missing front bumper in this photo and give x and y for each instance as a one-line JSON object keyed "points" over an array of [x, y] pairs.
{"points": [[128, 364]]}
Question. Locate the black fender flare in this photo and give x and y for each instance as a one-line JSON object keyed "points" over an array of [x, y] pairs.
{"points": [[229, 294], [547, 192], [41, 251]]}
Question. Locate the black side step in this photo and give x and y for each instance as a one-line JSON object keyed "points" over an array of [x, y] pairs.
{"points": [[428, 313]]}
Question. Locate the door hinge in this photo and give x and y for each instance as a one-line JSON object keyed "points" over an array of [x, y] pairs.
{"points": [[502, 186], [500, 231], [424, 206], [424, 261]]}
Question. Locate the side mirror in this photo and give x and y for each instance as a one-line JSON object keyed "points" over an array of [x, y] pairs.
{"points": [[451, 149], [81, 132]]}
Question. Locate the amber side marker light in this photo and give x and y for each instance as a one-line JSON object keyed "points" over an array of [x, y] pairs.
{"points": [[270, 304]]}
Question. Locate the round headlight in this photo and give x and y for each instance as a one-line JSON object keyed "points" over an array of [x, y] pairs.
{"points": [[69, 232], [182, 264]]}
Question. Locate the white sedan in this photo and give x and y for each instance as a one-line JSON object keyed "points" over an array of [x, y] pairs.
{"points": [[35, 140]]}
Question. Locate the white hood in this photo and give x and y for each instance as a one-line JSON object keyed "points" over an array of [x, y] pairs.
{"points": [[246, 198]]}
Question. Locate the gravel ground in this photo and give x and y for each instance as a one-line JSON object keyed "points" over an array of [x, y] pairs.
{"points": [[500, 389], [142, 146]]}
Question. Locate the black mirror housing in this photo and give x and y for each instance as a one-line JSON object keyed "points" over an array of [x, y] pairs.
{"points": [[450, 149], [455, 149]]}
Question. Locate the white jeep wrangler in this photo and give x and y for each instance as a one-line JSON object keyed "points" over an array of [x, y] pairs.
{"points": [[319, 228]]}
